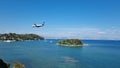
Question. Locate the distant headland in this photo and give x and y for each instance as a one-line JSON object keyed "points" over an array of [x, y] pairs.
{"points": [[71, 42], [9, 37]]}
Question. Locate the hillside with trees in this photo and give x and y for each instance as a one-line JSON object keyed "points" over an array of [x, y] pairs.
{"points": [[19, 37]]}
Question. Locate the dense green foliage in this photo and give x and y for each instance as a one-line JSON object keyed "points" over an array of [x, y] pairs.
{"points": [[71, 42], [19, 37]]}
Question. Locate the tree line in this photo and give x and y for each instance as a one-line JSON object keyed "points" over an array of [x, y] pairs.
{"points": [[19, 37]]}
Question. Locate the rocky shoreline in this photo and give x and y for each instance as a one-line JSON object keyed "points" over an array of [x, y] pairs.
{"points": [[7, 65]]}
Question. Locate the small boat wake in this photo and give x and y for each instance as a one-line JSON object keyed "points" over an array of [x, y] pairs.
{"points": [[68, 59]]}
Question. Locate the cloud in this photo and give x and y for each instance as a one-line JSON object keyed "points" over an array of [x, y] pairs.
{"points": [[101, 33], [83, 33]]}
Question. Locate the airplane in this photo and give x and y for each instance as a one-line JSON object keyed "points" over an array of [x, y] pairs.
{"points": [[38, 25]]}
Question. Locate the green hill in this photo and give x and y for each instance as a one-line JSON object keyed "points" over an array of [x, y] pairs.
{"points": [[19, 37]]}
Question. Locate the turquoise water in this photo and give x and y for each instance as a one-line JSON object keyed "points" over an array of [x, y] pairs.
{"points": [[47, 54]]}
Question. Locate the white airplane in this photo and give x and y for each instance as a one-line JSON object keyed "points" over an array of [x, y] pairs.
{"points": [[38, 25]]}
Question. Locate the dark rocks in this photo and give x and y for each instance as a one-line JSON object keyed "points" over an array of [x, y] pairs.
{"points": [[3, 64], [6, 65]]}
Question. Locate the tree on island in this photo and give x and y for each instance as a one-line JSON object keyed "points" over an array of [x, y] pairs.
{"points": [[71, 42]]}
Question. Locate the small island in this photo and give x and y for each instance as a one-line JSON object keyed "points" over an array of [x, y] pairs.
{"points": [[9, 37], [71, 42]]}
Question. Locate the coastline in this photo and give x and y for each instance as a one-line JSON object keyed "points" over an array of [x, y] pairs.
{"points": [[9, 41]]}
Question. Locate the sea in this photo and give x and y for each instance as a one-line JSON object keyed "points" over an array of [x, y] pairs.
{"points": [[49, 54]]}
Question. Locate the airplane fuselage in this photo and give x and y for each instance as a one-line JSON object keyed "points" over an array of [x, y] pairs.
{"points": [[38, 25]]}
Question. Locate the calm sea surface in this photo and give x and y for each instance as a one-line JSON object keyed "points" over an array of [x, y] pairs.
{"points": [[47, 54]]}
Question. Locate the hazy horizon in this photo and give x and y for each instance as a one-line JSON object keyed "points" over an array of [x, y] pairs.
{"points": [[84, 19]]}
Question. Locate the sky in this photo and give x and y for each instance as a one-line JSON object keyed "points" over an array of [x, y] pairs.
{"points": [[84, 19]]}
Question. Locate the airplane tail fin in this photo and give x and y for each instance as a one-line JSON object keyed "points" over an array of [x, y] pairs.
{"points": [[34, 25]]}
